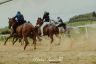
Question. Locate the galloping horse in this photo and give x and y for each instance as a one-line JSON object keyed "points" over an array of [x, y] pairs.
{"points": [[23, 31], [51, 28], [48, 29]]}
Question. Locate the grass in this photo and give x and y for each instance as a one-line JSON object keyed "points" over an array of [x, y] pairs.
{"points": [[83, 50]]}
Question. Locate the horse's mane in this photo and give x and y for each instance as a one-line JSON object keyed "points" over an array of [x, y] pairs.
{"points": [[13, 19]]}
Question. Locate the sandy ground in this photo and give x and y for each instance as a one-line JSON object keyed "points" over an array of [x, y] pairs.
{"points": [[75, 50]]}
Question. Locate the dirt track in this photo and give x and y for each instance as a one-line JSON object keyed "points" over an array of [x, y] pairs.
{"points": [[70, 51]]}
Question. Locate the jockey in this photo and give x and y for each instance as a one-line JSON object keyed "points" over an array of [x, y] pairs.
{"points": [[19, 17], [61, 23], [46, 20], [46, 17], [19, 20]]}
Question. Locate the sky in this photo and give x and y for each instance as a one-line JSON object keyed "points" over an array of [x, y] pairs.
{"points": [[32, 9]]}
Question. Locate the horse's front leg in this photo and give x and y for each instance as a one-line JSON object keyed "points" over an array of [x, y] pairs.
{"points": [[38, 34], [34, 41], [14, 40], [51, 37], [58, 36], [7, 39], [39, 38], [21, 40]]}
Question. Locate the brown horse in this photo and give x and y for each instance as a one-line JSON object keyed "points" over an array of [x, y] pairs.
{"points": [[23, 31], [48, 29]]}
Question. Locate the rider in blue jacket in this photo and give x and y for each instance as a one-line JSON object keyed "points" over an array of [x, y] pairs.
{"points": [[19, 17], [19, 20]]}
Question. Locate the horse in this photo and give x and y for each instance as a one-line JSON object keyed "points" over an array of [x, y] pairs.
{"points": [[23, 31], [63, 28], [48, 29]]}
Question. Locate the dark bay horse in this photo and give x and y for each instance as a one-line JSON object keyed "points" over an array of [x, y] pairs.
{"points": [[23, 31]]}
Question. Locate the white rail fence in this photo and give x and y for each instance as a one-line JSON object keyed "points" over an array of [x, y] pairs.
{"points": [[84, 26]]}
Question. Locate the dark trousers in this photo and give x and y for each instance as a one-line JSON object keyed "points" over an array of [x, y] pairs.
{"points": [[14, 27]]}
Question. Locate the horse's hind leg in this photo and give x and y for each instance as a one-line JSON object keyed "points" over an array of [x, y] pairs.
{"points": [[26, 42], [7, 39]]}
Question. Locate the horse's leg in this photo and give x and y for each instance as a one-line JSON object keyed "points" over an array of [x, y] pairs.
{"points": [[58, 36], [26, 42], [64, 26], [34, 41], [7, 39], [39, 38], [15, 40], [20, 41], [51, 37], [39, 35], [68, 33]]}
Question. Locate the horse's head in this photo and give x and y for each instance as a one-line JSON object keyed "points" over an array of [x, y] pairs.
{"points": [[39, 22], [11, 22]]}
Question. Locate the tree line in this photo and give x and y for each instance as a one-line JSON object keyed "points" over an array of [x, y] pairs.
{"points": [[84, 17]]}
